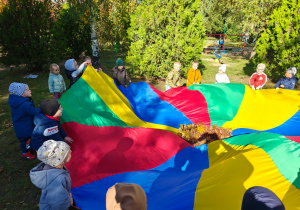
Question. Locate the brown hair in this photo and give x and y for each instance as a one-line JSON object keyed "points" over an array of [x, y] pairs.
{"points": [[84, 57], [53, 66], [195, 62]]}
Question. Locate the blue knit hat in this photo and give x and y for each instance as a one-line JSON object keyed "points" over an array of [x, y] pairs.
{"points": [[69, 65], [17, 88], [119, 62]]}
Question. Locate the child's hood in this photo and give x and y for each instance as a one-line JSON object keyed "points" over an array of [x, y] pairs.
{"points": [[42, 175], [41, 119], [15, 101]]}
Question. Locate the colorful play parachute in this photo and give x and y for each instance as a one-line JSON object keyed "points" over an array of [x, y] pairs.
{"points": [[129, 135]]}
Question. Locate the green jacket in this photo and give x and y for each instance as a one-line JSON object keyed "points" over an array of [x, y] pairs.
{"points": [[173, 79]]}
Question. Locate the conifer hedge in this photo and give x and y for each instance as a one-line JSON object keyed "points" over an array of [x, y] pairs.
{"points": [[25, 32], [279, 45], [165, 31]]}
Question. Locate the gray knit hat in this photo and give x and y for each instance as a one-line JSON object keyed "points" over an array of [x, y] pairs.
{"points": [[53, 152], [292, 70], [17, 88]]}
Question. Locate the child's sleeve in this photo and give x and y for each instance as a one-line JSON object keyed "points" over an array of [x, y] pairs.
{"points": [[278, 83], [227, 79], [78, 71], [61, 131], [51, 84], [127, 76], [170, 79], [198, 79], [64, 84], [190, 77], [251, 81], [115, 71], [30, 109]]}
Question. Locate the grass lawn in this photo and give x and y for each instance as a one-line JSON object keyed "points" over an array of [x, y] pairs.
{"points": [[16, 189]]}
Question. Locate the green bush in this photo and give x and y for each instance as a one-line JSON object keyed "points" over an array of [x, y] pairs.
{"points": [[25, 33], [72, 32], [279, 45], [163, 32]]}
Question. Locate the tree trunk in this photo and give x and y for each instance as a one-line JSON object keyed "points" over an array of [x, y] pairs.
{"points": [[95, 44]]}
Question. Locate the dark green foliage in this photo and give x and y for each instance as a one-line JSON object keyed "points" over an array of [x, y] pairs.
{"points": [[234, 29], [163, 32], [279, 45], [72, 34], [25, 32]]}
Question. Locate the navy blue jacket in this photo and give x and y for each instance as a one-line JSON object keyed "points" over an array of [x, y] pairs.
{"points": [[289, 83], [22, 114], [45, 129]]}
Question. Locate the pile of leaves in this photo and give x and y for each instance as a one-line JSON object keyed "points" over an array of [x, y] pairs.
{"points": [[198, 134]]}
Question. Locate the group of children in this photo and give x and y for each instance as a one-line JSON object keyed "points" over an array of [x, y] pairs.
{"points": [[40, 127], [257, 79], [40, 133]]}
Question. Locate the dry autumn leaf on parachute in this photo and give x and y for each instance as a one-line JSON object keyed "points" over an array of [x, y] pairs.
{"points": [[198, 134]]}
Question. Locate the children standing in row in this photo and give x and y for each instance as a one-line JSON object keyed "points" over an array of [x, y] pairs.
{"points": [[194, 74], [47, 124], [173, 78], [258, 79], [22, 113], [221, 77], [56, 82], [289, 81]]}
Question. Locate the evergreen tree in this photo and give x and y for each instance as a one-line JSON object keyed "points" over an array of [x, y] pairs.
{"points": [[163, 32], [279, 45], [72, 34], [25, 32]]}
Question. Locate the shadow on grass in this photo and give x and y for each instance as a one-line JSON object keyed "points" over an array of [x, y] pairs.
{"points": [[249, 68]]}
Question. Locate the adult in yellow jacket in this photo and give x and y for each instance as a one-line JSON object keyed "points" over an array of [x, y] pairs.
{"points": [[194, 74]]}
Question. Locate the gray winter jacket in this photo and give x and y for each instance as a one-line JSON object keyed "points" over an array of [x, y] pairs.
{"points": [[55, 184], [56, 83]]}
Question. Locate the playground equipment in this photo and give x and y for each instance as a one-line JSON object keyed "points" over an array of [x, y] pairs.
{"points": [[218, 56], [220, 48]]}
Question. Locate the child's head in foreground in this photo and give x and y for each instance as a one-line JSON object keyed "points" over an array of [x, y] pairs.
{"points": [[290, 72], [19, 89], [54, 69], [177, 66], [54, 153], [51, 107], [222, 69], [195, 65], [260, 68]]}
